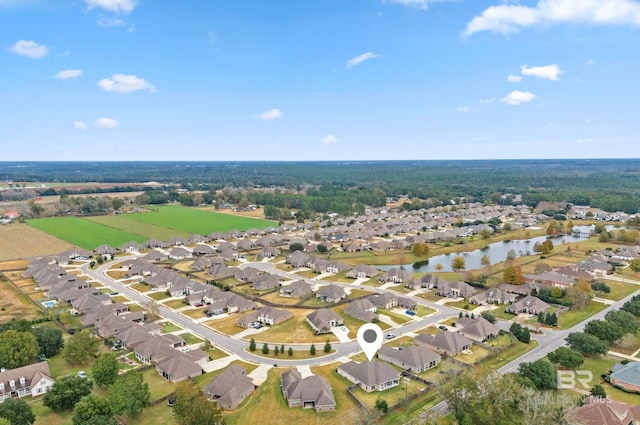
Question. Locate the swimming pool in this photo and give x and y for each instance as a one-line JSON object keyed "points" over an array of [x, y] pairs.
{"points": [[48, 304]]}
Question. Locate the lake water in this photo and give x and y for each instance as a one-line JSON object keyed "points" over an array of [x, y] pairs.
{"points": [[496, 251]]}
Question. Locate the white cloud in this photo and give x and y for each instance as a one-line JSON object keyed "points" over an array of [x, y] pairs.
{"points": [[29, 48], [68, 73], [271, 114], [359, 59], [591, 62], [116, 6], [121, 83], [514, 78], [549, 72], [329, 140], [105, 22], [517, 97], [80, 125], [488, 100], [509, 18], [463, 109], [106, 123]]}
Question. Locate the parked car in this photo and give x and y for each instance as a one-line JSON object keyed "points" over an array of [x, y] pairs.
{"points": [[116, 347], [115, 293], [410, 312], [443, 328], [198, 305], [82, 374], [186, 349], [391, 336]]}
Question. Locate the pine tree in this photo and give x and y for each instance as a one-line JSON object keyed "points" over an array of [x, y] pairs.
{"points": [[327, 347], [312, 350], [252, 345], [290, 352], [265, 349]]}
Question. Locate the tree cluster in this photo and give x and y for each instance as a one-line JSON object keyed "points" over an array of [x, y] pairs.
{"points": [[522, 333]]}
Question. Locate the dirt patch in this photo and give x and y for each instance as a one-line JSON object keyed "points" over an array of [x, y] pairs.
{"points": [[13, 265], [18, 241]]}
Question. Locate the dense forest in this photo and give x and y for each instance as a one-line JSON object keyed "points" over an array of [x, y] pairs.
{"points": [[609, 184]]}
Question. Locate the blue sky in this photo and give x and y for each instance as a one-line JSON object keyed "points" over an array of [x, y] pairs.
{"points": [[318, 79]]}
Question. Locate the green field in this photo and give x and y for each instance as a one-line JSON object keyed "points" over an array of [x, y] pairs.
{"points": [[148, 230], [192, 220], [83, 233]]}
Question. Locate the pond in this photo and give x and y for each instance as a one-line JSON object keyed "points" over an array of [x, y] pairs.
{"points": [[496, 251]]}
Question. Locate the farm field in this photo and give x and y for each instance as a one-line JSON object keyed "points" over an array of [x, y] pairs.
{"points": [[148, 230], [18, 240], [192, 220], [83, 233]]}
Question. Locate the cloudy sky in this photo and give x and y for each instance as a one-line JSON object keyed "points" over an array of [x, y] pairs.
{"points": [[318, 79]]}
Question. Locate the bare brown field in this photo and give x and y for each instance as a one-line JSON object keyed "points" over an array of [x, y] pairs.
{"points": [[257, 213], [21, 282], [18, 241], [14, 304], [13, 265]]}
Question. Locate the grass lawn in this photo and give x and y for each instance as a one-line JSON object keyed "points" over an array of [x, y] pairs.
{"points": [[190, 338], [294, 330], [175, 304], [403, 341], [400, 319], [430, 296], [353, 324], [477, 354], [198, 221], [226, 325], [83, 233], [170, 327], [276, 298], [309, 274], [268, 406], [140, 287], [463, 305], [283, 358], [570, 318], [59, 367], [357, 293], [195, 313], [120, 299], [148, 230], [159, 295], [391, 396], [429, 330], [158, 386], [422, 311], [158, 414], [45, 416], [628, 345], [501, 314], [508, 355], [601, 365], [619, 290], [217, 353], [316, 302]]}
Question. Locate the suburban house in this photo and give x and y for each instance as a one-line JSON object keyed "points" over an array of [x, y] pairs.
{"points": [[230, 388], [312, 392], [385, 300], [202, 250], [395, 275], [265, 282], [456, 288], [416, 358], [362, 271], [297, 259], [32, 380], [156, 256], [524, 289], [266, 315], [181, 366], [493, 296], [597, 412], [105, 250], [478, 329], [448, 343], [179, 253], [323, 319], [363, 310], [370, 376], [529, 304], [297, 289], [331, 293], [626, 376], [552, 278], [595, 266]]}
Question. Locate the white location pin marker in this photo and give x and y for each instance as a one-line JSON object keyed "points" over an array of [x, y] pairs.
{"points": [[370, 339]]}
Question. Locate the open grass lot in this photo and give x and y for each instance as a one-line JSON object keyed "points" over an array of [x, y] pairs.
{"points": [[140, 287], [354, 324], [158, 295], [268, 406], [429, 330], [226, 325], [14, 304], [508, 355], [399, 318], [170, 327], [196, 313], [275, 297], [430, 296], [18, 240], [619, 290], [190, 338], [462, 304], [293, 331], [13, 265], [147, 230], [193, 220], [174, 304], [158, 414], [628, 345], [357, 293], [477, 354], [570, 318], [83, 233], [422, 311]]}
